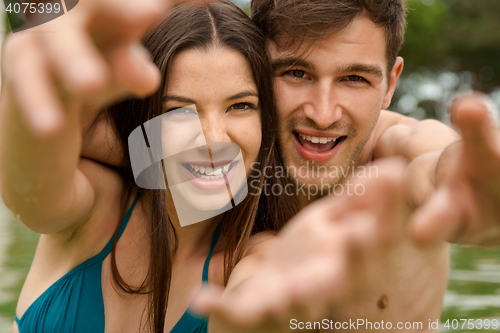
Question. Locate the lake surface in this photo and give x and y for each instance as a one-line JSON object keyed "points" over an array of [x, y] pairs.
{"points": [[473, 289]]}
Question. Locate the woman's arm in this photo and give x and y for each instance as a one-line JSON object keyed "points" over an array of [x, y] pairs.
{"points": [[39, 179], [55, 78]]}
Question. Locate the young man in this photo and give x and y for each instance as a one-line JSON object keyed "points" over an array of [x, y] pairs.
{"points": [[336, 68]]}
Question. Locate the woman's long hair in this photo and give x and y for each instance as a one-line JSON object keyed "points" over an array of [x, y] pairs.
{"points": [[216, 24]]}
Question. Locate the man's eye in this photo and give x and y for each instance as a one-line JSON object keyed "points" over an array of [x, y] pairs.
{"points": [[298, 73], [244, 106], [354, 78]]}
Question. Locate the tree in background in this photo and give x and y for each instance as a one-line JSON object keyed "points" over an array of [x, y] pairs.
{"points": [[450, 46]]}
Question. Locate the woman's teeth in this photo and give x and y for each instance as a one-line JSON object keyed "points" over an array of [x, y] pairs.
{"points": [[315, 139], [208, 172]]}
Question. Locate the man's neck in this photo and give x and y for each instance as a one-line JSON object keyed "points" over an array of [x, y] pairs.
{"points": [[306, 199]]}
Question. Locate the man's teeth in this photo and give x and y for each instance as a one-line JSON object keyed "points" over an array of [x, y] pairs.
{"points": [[208, 172], [315, 139]]}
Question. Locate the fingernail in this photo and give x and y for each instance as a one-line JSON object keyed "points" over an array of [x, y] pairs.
{"points": [[139, 52]]}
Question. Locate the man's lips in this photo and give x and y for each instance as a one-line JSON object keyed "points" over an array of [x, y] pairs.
{"points": [[317, 148]]}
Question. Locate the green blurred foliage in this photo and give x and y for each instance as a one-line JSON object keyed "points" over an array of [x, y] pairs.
{"points": [[455, 35]]}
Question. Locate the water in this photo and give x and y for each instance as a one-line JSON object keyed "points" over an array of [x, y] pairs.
{"points": [[473, 289], [17, 248]]}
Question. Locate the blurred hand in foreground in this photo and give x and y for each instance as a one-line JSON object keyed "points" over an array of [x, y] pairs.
{"points": [[465, 208], [329, 251], [91, 54]]}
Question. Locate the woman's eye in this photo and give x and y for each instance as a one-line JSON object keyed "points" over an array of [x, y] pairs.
{"points": [[242, 107]]}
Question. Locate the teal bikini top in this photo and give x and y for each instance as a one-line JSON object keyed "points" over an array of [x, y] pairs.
{"points": [[74, 303]]}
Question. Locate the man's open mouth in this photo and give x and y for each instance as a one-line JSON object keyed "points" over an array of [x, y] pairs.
{"points": [[209, 173], [318, 144]]}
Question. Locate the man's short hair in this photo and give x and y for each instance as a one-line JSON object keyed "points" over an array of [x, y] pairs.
{"points": [[291, 22]]}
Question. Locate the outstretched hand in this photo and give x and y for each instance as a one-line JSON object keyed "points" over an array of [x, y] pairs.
{"points": [[465, 207], [93, 52], [327, 252]]}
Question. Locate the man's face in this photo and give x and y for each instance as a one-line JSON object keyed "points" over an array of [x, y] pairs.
{"points": [[329, 98]]}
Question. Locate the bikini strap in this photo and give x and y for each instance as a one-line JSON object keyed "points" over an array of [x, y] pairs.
{"points": [[124, 222], [107, 249], [215, 238]]}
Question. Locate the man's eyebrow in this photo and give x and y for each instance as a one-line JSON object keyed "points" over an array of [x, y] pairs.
{"points": [[363, 68], [242, 94], [288, 62], [178, 99]]}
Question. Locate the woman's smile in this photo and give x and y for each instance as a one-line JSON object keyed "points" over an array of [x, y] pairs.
{"points": [[209, 177]]}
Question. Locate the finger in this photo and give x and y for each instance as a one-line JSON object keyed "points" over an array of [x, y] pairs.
{"points": [[438, 220], [134, 71], [247, 305], [77, 62], [471, 118], [206, 300], [124, 16], [381, 177], [116, 21], [26, 73], [382, 196]]}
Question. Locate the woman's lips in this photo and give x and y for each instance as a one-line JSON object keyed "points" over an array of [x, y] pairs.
{"points": [[207, 179]]}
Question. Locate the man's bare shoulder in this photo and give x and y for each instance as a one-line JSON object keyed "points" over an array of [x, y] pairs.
{"points": [[260, 243], [390, 118], [399, 135], [387, 121]]}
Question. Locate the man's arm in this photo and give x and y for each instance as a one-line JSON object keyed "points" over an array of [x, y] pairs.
{"points": [[464, 209], [329, 252], [421, 143]]}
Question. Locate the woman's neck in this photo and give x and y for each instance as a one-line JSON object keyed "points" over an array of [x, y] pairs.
{"points": [[194, 239]]}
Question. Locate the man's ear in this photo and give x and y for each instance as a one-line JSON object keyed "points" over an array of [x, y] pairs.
{"points": [[396, 71]]}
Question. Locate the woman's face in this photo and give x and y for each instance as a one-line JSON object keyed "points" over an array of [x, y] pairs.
{"points": [[211, 131]]}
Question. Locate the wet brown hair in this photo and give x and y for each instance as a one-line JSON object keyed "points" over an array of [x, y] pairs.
{"points": [[292, 22], [216, 24]]}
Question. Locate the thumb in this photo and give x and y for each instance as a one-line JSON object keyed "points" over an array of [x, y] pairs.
{"points": [[206, 300]]}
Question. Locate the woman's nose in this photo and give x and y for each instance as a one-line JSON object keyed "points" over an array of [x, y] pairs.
{"points": [[214, 130]]}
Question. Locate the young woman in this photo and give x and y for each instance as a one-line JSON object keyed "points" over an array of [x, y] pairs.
{"points": [[113, 257]]}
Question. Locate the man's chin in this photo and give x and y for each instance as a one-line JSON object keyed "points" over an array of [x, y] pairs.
{"points": [[319, 183]]}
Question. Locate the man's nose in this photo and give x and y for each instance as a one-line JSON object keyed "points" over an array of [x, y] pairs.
{"points": [[323, 107]]}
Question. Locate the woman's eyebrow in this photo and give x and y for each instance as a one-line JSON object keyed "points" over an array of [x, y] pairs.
{"points": [[242, 94], [178, 99]]}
